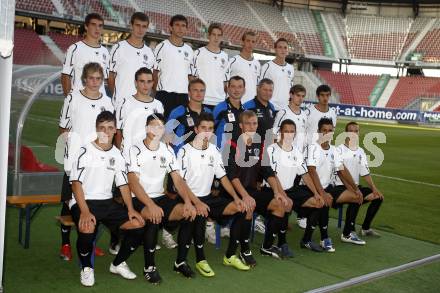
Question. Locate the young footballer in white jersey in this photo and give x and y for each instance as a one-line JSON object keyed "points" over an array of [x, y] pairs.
{"points": [[211, 65], [77, 119], [200, 161], [355, 160], [246, 66], [97, 167], [85, 51], [126, 57], [318, 111], [294, 112], [172, 68], [149, 163], [280, 72], [288, 163], [323, 162], [132, 112]]}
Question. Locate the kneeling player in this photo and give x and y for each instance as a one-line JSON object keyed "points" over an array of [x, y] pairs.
{"points": [[244, 170], [355, 160], [200, 161], [149, 163], [287, 162], [323, 161], [98, 165]]}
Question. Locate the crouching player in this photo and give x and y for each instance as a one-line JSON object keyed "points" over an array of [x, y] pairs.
{"points": [[287, 162], [98, 165], [150, 161], [200, 161], [355, 160]]}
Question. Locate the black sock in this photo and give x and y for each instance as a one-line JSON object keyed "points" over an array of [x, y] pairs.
{"points": [[371, 212], [323, 222], [184, 240], [272, 229], [199, 237], [150, 240], [132, 239], [65, 230], [114, 238], [84, 246], [283, 230], [350, 218], [312, 221], [301, 214], [245, 235], [234, 235]]}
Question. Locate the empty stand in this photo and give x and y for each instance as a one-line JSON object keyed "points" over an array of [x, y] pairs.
{"points": [[429, 46], [412, 87], [29, 49], [43, 6]]}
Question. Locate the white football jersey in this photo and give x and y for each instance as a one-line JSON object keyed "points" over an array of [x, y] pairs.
{"points": [[174, 64], [213, 69], [250, 71], [300, 121], [78, 115], [131, 117], [152, 167], [282, 77], [97, 170], [125, 60], [286, 164], [313, 117], [198, 167], [327, 162], [78, 55], [355, 162]]}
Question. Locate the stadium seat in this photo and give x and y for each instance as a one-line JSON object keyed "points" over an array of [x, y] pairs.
{"points": [[412, 87], [43, 6]]}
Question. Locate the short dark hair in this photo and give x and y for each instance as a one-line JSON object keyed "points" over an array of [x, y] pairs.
{"points": [[90, 68], [155, 116], [323, 88], [324, 121], [265, 81], [236, 77], [178, 17], [139, 16], [297, 88], [248, 33], [213, 26], [105, 116], [246, 114], [91, 16], [204, 116], [195, 81], [279, 41], [287, 122], [142, 70], [350, 124]]}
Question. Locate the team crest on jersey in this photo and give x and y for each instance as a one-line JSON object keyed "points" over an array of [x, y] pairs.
{"points": [[145, 57], [333, 156], [102, 109], [211, 161], [255, 66], [186, 54], [162, 162], [257, 152], [223, 61], [104, 56], [289, 72], [111, 162]]}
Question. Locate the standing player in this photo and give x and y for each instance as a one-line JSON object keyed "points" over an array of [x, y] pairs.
{"points": [[83, 52], [246, 66], [280, 72], [172, 68], [294, 112], [227, 113], [319, 111], [183, 117], [127, 56], [200, 162], [212, 66], [134, 109], [97, 167], [150, 161], [288, 162], [323, 162], [245, 169], [355, 160], [77, 119]]}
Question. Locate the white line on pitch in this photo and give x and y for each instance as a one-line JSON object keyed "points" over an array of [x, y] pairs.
{"points": [[406, 180]]}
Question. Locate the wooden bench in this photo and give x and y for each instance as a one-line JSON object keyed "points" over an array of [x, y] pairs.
{"points": [[65, 220], [29, 205]]}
